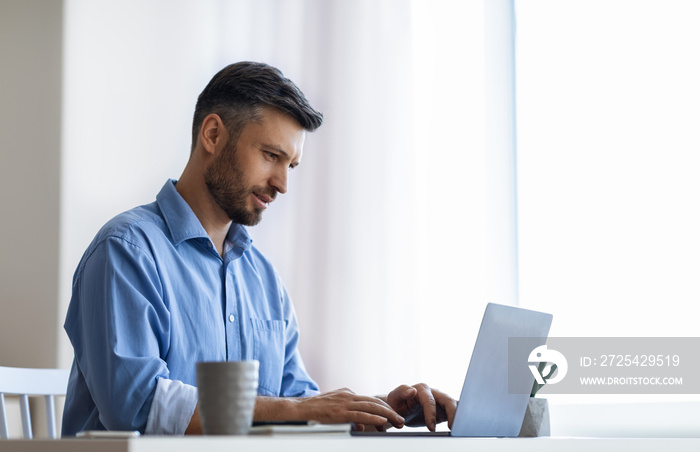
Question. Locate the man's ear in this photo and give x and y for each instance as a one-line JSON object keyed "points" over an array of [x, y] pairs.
{"points": [[212, 134]]}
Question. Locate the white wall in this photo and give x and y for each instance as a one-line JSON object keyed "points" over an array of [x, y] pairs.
{"points": [[30, 131], [608, 186], [608, 165], [132, 73]]}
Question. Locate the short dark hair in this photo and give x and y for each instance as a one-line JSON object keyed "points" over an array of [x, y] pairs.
{"points": [[237, 92]]}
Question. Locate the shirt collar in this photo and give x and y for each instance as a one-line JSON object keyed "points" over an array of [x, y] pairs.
{"points": [[237, 239], [183, 224]]}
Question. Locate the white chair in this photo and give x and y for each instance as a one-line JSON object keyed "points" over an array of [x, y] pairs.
{"points": [[31, 382]]}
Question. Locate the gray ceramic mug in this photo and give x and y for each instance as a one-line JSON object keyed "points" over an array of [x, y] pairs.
{"points": [[227, 392]]}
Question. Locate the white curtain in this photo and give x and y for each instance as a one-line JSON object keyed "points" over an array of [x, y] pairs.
{"points": [[608, 164], [399, 224], [342, 238], [608, 100]]}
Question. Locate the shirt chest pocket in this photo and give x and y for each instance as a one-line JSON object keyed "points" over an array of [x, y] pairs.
{"points": [[268, 349]]}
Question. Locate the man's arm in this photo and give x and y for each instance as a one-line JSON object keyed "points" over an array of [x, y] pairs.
{"points": [[195, 427], [333, 407], [115, 323]]}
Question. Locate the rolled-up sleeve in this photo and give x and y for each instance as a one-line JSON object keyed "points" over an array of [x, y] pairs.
{"points": [[171, 411]]}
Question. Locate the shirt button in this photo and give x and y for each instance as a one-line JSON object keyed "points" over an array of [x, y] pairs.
{"points": [[231, 318]]}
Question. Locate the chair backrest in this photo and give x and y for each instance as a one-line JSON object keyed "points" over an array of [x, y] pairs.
{"points": [[31, 382]]}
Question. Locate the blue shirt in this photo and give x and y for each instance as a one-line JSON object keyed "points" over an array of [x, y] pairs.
{"points": [[152, 297]]}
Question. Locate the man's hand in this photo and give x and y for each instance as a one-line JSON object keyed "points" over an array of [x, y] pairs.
{"points": [[333, 407], [408, 400]]}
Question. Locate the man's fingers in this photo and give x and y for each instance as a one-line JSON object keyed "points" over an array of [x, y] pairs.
{"points": [[451, 410], [362, 418], [425, 397], [407, 392], [448, 404], [421, 405], [378, 408], [436, 406], [345, 406]]}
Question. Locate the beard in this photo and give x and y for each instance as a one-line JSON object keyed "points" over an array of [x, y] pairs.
{"points": [[230, 190]]}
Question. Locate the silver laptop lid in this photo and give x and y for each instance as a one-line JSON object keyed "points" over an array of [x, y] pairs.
{"points": [[486, 408]]}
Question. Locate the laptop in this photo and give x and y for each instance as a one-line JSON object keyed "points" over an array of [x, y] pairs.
{"points": [[488, 407]]}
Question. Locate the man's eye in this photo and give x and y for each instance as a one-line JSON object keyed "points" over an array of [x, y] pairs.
{"points": [[271, 155]]}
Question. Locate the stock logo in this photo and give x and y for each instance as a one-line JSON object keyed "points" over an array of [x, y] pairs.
{"points": [[544, 363]]}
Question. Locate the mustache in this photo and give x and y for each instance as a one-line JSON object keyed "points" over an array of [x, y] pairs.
{"points": [[265, 191]]}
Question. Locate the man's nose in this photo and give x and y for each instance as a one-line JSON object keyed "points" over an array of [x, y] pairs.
{"points": [[279, 180]]}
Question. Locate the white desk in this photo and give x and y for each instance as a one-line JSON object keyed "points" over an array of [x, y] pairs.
{"points": [[350, 444]]}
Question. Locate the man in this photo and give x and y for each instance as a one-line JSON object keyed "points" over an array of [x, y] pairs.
{"points": [[174, 282]]}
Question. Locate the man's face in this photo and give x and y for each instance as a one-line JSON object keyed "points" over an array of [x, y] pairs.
{"points": [[246, 176]]}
